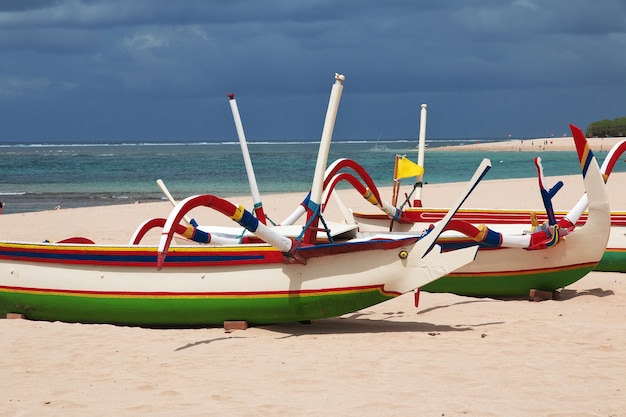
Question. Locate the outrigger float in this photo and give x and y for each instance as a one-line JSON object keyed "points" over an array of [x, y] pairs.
{"points": [[266, 279]]}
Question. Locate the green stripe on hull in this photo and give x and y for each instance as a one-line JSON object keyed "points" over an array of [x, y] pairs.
{"points": [[612, 261], [196, 311], [505, 285]]}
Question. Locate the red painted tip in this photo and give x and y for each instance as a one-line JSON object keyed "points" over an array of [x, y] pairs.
{"points": [[160, 260], [576, 130], [579, 140], [231, 96]]}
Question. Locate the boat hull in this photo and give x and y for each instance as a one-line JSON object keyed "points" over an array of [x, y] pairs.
{"points": [[195, 309], [481, 280], [613, 260], [200, 286], [513, 272]]}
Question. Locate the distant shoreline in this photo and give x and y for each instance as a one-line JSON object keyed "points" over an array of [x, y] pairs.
{"points": [[533, 145]]}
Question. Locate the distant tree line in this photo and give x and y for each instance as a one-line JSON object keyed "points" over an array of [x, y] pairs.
{"points": [[604, 128]]}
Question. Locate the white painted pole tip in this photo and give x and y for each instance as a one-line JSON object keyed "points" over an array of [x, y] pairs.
{"points": [[340, 77], [424, 106]]}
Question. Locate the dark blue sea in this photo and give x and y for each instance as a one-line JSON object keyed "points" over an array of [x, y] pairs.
{"points": [[36, 177]]}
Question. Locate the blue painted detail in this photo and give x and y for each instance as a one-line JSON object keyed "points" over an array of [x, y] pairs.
{"points": [[492, 238], [587, 162], [126, 258], [201, 236], [546, 196], [249, 221]]}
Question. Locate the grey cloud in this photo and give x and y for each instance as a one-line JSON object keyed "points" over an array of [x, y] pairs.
{"points": [[393, 52]]}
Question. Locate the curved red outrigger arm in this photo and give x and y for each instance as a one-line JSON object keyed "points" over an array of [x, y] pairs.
{"points": [[237, 213], [190, 232], [369, 191]]}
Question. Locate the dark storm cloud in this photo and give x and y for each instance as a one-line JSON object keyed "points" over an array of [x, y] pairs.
{"points": [[485, 68]]}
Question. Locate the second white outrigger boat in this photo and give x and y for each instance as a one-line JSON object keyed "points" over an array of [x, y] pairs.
{"points": [[512, 261], [418, 215]]}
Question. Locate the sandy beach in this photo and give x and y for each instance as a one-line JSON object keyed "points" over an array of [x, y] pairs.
{"points": [[450, 356], [563, 143]]}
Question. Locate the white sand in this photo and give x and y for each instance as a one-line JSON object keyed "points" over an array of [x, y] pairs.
{"points": [[533, 145], [451, 356]]}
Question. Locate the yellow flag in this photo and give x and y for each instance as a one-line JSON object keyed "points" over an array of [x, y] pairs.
{"points": [[408, 168]]}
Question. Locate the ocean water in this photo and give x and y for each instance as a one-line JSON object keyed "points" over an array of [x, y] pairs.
{"points": [[36, 177]]}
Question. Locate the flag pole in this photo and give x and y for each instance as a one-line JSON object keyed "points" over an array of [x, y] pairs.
{"points": [[396, 182], [395, 190]]}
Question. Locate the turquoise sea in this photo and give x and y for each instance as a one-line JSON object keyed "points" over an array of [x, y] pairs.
{"points": [[36, 177]]}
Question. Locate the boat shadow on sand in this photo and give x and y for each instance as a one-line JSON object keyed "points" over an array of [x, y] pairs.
{"points": [[360, 323], [561, 295], [565, 294], [346, 326], [367, 326], [356, 323], [595, 292]]}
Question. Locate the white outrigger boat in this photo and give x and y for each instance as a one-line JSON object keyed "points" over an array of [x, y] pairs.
{"points": [[613, 259], [512, 261], [277, 279]]}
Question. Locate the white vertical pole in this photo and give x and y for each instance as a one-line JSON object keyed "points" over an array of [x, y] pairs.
{"points": [[327, 134], [420, 155], [254, 189]]}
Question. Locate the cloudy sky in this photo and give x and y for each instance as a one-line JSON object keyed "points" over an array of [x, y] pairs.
{"points": [[111, 70]]}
